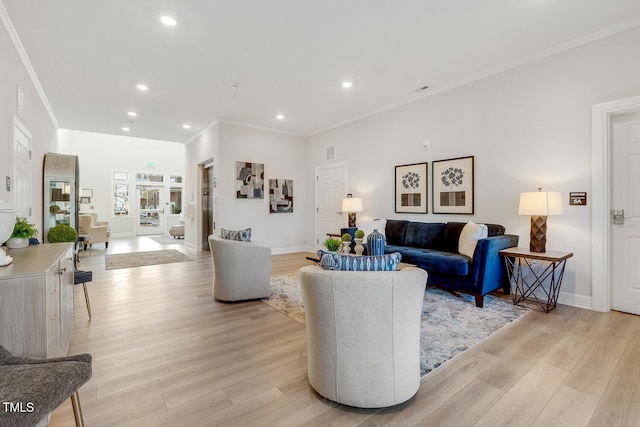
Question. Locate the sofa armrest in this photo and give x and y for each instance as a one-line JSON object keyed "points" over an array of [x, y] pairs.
{"points": [[488, 268]]}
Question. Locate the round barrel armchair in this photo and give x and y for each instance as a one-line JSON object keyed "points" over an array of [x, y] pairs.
{"points": [[363, 334]]}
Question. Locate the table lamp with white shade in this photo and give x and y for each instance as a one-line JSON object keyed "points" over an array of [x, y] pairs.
{"points": [[352, 205], [539, 204]]}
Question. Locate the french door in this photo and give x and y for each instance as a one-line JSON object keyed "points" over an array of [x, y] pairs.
{"points": [[150, 203]]}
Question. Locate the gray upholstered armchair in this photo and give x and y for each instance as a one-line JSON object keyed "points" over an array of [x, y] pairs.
{"points": [[241, 270], [33, 387], [363, 334]]}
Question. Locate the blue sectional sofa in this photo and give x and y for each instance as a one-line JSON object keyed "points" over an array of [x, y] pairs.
{"points": [[433, 246]]}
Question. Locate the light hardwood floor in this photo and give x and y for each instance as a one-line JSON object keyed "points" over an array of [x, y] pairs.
{"points": [[166, 353]]}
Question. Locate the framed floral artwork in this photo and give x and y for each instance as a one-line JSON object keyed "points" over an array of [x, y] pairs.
{"points": [[453, 186], [411, 188]]}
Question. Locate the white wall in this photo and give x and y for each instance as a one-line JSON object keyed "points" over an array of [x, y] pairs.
{"points": [[527, 127], [99, 154], [199, 151], [35, 118], [283, 157]]}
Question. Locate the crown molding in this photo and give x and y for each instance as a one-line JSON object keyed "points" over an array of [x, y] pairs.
{"points": [[22, 53]]}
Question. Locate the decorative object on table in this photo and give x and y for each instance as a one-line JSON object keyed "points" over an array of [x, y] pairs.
{"points": [[346, 243], [411, 188], [359, 249], [7, 222], [249, 180], [22, 232], [332, 244], [351, 205], [375, 243], [62, 233], [539, 204], [280, 195], [453, 186]]}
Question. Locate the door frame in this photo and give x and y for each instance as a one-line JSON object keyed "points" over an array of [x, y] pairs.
{"points": [[317, 198], [601, 195]]}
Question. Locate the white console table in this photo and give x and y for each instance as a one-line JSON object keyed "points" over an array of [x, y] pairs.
{"points": [[36, 300]]}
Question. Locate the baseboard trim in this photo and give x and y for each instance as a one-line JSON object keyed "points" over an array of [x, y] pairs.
{"points": [[294, 249], [574, 300]]}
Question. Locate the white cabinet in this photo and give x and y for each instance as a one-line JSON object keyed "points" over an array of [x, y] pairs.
{"points": [[36, 300]]}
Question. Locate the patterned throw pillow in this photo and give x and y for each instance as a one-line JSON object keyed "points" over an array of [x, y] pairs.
{"points": [[336, 261], [240, 235]]}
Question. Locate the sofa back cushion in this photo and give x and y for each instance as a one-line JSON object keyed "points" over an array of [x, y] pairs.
{"points": [[427, 235], [494, 230], [395, 232], [336, 261]]}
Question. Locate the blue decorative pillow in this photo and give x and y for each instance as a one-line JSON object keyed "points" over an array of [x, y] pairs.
{"points": [[336, 261], [240, 235]]}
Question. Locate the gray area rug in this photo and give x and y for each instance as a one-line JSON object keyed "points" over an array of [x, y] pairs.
{"points": [[166, 240], [140, 259], [451, 323]]}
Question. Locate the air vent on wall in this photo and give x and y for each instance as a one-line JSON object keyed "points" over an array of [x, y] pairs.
{"points": [[331, 154], [420, 89]]}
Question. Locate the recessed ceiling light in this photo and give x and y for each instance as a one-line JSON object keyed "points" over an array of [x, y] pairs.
{"points": [[168, 21], [142, 87], [132, 113], [347, 84], [186, 126], [280, 117], [126, 129]]}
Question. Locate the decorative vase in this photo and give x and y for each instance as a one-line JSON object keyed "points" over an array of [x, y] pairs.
{"points": [[375, 243], [17, 243], [359, 248], [346, 248]]}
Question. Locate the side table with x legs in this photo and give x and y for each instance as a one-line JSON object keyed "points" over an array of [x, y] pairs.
{"points": [[532, 273]]}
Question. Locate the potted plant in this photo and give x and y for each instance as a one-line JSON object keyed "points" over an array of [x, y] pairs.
{"points": [[332, 244], [346, 243], [22, 232], [62, 233], [359, 249]]}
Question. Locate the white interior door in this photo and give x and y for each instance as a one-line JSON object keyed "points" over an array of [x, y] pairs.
{"points": [[625, 195], [150, 209], [21, 186], [331, 188]]}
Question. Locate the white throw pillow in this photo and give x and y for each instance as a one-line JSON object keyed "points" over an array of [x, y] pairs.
{"points": [[469, 237], [369, 226]]}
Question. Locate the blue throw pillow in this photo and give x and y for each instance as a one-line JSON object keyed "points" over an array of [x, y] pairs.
{"points": [[336, 261]]}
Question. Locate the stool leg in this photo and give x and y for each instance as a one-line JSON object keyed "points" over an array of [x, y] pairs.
{"points": [[86, 298], [77, 409]]}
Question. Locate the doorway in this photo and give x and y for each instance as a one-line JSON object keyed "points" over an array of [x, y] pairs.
{"points": [[625, 201], [602, 247], [208, 225], [150, 210], [331, 188]]}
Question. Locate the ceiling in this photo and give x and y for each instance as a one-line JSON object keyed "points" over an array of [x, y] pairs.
{"points": [[245, 61]]}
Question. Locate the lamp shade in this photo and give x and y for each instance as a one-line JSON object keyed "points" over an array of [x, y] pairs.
{"points": [[541, 203], [352, 204]]}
